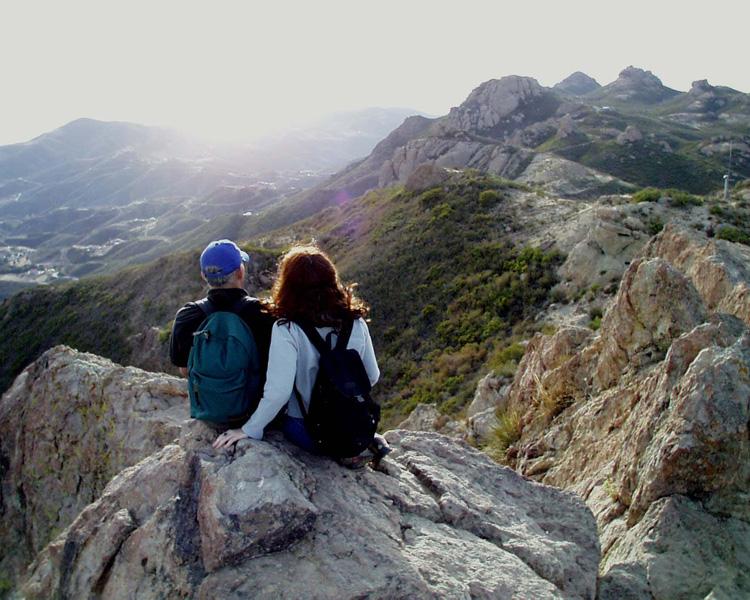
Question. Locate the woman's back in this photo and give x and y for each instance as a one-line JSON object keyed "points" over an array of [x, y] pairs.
{"points": [[293, 361]]}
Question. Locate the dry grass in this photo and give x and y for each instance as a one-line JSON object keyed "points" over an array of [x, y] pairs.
{"points": [[555, 396], [505, 434]]}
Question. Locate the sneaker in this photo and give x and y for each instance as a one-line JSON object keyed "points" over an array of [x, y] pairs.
{"points": [[380, 449], [357, 462]]}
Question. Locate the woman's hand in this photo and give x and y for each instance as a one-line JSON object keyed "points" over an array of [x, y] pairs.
{"points": [[228, 438]]}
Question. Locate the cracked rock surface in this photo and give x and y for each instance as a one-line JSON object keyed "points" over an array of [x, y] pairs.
{"points": [[70, 422], [649, 421], [439, 519]]}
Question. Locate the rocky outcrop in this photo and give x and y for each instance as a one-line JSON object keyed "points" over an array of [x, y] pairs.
{"points": [[499, 106], [489, 131], [568, 179], [439, 519], [719, 270], [577, 84], [456, 152], [600, 244], [636, 85], [648, 421], [631, 135], [99, 459], [149, 350], [70, 422], [644, 319], [664, 551], [427, 176]]}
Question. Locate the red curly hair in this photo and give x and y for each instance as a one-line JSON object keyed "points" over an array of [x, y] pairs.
{"points": [[308, 288]]}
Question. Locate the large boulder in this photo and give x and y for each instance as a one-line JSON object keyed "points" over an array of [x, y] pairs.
{"points": [[270, 521], [500, 104], [70, 422], [566, 178], [644, 318], [678, 550], [648, 422], [719, 270]]}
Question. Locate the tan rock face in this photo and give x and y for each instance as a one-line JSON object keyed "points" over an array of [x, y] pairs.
{"points": [[611, 241], [426, 176], [451, 153], [69, 424], [719, 270], [649, 420], [493, 102], [271, 521], [644, 318], [678, 550]]}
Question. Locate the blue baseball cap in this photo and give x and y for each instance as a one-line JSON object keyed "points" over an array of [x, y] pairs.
{"points": [[221, 258]]}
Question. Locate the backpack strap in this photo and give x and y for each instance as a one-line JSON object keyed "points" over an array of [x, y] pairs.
{"points": [[299, 402], [206, 306], [240, 304], [344, 334], [324, 346], [209, 307]]}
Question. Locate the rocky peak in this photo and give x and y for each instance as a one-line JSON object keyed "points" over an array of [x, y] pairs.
{"points": [[505, 94], [500, 106], [634, 76], [577, 84], [701, 87], [639, 85]]}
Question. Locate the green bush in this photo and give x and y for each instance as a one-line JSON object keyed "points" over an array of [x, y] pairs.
{"points": [[647, 195], [677, 198], [733, 234], [681, 199], [489, 198], [165, 332], [431, 197], [508, 354], [654, 225]]}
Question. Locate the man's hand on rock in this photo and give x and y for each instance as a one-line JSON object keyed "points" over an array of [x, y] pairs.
{"points": [[228, 438]]}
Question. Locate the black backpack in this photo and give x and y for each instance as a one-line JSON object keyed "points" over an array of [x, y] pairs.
{"points": [[342, 418]]}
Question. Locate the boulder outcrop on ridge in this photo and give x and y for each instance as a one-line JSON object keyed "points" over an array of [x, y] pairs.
{"points": [[70, 422], [648, 421], [438, 518], [270, 521]]}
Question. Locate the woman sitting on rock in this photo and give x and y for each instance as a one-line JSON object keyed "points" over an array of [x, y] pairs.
{"points": [[307, 294]]}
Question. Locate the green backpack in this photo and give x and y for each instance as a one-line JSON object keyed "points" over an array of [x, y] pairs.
{"points": [[223, 367]]}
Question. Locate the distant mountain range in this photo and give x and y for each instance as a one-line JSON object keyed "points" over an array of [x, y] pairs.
{"points": [[576, 139], [92, 196]]}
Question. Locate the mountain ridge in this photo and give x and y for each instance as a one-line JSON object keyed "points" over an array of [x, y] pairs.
{"points": [[505, 122], [145, 191]]}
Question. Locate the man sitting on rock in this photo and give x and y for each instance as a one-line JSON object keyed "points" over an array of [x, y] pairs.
{"points": [[220, 343]]}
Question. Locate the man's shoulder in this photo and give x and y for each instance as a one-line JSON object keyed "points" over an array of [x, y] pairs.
{"points": [[252, 307], [189, 311]]}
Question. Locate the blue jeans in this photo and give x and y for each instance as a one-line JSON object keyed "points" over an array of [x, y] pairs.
{"points": [[294, 430]]}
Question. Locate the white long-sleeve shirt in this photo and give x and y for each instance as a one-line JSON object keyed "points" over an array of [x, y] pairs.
{"points": [[293, 359]]}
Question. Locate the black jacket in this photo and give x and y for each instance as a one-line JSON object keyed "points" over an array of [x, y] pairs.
{"points": [[190, 316]]}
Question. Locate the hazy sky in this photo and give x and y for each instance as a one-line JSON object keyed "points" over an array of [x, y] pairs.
{"points": [[235, 69]]}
